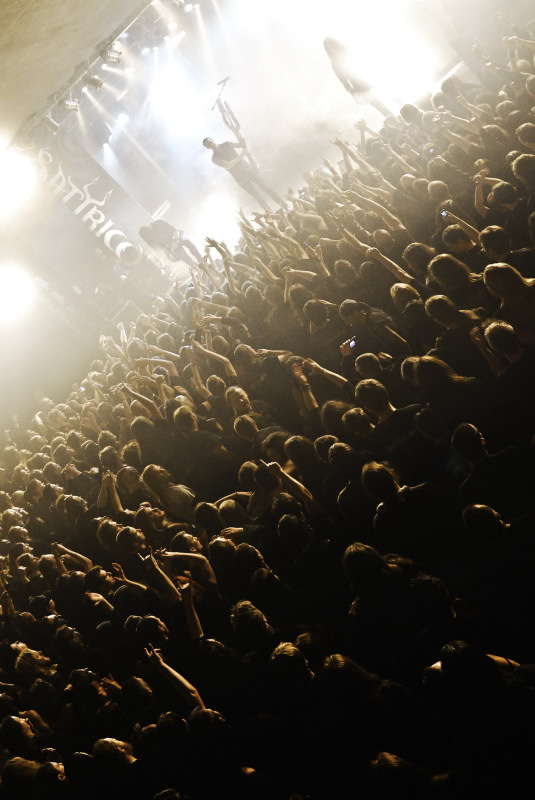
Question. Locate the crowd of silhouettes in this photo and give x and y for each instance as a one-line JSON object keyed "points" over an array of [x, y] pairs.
{"points": [[280, 541]]}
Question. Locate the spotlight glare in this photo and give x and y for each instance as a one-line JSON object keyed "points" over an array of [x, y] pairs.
{"points": [[94, 81], [50, 124], [111, 55], [17, 292], [188, 8], [17, 181], [145, 51]]}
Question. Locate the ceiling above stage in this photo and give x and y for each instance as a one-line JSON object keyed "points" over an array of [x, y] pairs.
{"points": [[41, 44]]}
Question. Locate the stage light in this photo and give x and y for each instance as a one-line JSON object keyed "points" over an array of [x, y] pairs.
{"points": [[71, 104], [145, 51], [17, 292], [188, 8], [94, 81], [110, 55], [50, 124]]}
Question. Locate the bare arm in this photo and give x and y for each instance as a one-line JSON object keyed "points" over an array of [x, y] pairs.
{"points": [[391, 266], [186, 689]]}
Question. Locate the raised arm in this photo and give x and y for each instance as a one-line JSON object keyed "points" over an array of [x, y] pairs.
{"points": [[186, 689]]}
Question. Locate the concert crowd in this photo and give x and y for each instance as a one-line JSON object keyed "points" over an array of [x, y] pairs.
{"points": [[280, 541]]}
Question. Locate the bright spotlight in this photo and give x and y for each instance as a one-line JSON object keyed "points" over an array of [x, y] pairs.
{"points": [[17, 292], [145, 51], [188, 7], [71, 104], [50, 124], [110, 55], [17, 181], [94, 81]]}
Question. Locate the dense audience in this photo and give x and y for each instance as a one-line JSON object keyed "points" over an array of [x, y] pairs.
{"points": [[279, 543]]}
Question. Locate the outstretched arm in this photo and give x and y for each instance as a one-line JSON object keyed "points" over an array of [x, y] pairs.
{"points": [[186, 689]]}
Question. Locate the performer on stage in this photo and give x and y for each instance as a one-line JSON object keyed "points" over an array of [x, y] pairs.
{"points": [[226, 155], [340, 58], [175, 244]]}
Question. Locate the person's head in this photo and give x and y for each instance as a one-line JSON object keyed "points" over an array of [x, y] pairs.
{"points": [[417, 256], [526, 135], [433, 374], [110, 459], [530, 86], [300, 450], [130, 541], [185, 420], [411, 114], [442, 310], [456, 239], [450, 273], [151, 630], [331, 414], [383, 240], [495, 242], [380, 481], [468, 442], [503, 196], [438, 191], [288, 668], [206, 516], [112, 756], [368, 365], [25, 777], [184, 542], [107, 534], [373, 396], [150, 518], [406, 183], [524, 170], [265, 480], [238, 400], [142, 430], [358, 422], [402, 294], [248, 623], [245, 427], [344, 271], [216, 385], [316, 313], [505, 282], [353, 312], [323, 444], [128, 480], [364, 567], [501, 337], [156, 478], [483, 523], [209, 143]]}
